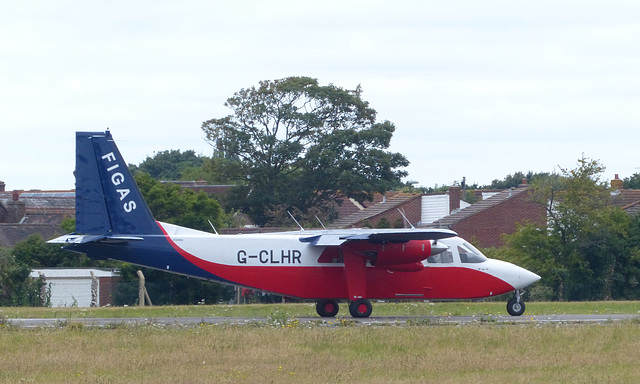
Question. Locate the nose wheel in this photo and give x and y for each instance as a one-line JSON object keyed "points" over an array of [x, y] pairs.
{"points": [[516, 306]]}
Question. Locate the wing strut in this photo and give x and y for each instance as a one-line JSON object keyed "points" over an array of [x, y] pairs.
{"points": [[355, 271]]}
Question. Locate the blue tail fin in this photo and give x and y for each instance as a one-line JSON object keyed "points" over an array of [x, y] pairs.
{"points": [[108, 200]]}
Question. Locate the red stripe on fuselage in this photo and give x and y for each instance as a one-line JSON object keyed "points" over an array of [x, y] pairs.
{"points": [[330, 281]]}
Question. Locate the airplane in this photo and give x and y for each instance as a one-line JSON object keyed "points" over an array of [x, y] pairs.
{"points": [[114, 222]]}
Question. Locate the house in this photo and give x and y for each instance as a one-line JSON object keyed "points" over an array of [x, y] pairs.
{"points": [[627, 199], [24, 213], [388, 207], [495, 213], [484, 222], [78, 287]]}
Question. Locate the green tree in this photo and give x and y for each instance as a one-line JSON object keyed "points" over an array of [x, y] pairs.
{"points": [[584, 252], [512, 181], [181, 206], [632, 182], [172, 165], [298, 144], [16, 287]]}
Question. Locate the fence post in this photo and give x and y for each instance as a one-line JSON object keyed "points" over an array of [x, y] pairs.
{"points": [[94, 290], [142, 291]]}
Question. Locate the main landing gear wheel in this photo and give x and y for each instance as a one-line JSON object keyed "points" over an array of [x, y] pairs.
{"points": [[516, 306], [360, 308], [327, 308]]}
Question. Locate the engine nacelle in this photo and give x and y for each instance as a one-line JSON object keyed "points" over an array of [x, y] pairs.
{"points": [[404, 256], [410, 252]]}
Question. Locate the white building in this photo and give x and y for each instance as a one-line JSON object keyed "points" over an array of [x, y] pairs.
{"points": [[72, 287]]}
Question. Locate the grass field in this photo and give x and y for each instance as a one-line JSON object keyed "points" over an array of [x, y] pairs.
{"points": [[294, 352], [308, 310]]}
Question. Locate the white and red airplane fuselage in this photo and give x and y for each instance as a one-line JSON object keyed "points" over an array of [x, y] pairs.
{"points": [[114, 222], [281, 263]]}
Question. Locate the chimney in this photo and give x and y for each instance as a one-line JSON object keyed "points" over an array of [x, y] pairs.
{"points": [[454, 199], [16, 209], [2, 186], [617, 184]]}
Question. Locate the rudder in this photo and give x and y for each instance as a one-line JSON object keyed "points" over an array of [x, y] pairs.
{"points": [[108, 200]]}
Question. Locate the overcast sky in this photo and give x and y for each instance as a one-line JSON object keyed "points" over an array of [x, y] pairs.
{"points": [[480, 89]]}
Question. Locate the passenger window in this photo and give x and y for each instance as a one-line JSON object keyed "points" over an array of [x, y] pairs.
{"points": [[445, 257], [469, 254]]}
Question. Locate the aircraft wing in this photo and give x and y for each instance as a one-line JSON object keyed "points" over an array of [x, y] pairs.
{"points": [[338, 237]]}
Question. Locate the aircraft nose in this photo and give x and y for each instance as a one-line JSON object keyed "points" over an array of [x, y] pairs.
{"points": [[515, 276], [526, 278]]}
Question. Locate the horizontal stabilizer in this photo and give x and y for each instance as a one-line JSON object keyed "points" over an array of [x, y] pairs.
{"points": [[82, 239], [75, 239]]}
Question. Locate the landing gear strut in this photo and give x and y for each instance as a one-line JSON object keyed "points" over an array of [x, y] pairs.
{"points": [[516, 306]]}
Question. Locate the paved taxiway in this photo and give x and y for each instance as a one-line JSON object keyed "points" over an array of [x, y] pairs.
{"points": [[397, 321]]}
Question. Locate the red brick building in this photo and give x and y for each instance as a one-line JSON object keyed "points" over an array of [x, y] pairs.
{"points": [[484, 223]]}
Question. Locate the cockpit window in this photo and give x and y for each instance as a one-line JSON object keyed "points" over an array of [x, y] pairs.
{"points": [[445, 257], [469, 254]]}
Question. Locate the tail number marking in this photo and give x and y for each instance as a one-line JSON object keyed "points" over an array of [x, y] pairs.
{"points": [[117, 178], [289, 256]]}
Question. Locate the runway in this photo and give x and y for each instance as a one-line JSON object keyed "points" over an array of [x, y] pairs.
{"points": [[338, 321]]}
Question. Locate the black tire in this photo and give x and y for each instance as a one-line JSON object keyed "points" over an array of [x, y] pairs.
{"points": [[360, 308], [515, 308], [327, 308]]}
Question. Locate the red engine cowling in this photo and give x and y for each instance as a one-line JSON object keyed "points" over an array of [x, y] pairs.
{"points": [[405, 256], [406, 253]]}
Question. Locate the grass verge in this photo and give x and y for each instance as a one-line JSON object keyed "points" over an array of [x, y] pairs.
{"points": [[308, 353]]}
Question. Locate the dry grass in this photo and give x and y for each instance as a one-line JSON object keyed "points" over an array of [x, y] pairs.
{"points": [[320, 354]]}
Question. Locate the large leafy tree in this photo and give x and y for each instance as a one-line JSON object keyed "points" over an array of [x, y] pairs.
{"points": [[171, 165], [295, 143], [589, 248]]}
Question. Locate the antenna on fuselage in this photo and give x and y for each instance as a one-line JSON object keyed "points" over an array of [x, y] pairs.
{"points": [[405, 218], [294, 219], [320, 221], [214, 228]]}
